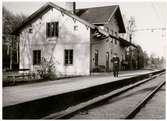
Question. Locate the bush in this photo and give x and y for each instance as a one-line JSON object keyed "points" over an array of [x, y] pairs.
{"points": [[47, 70]]}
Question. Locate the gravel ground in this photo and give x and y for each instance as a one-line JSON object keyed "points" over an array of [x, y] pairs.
{"points": [[155, 108], [119, 107]]}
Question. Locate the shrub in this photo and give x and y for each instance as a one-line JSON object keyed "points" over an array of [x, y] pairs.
{"points": [[47, 69]]}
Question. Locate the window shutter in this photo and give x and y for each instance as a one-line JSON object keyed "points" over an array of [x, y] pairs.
{"points": [[57, 29]]}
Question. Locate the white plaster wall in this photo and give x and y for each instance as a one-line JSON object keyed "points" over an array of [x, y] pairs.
{"points": [[54, 47]]}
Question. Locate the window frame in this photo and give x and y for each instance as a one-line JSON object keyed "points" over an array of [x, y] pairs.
{"points": [[36, 57], [115, 34], [115, 42], [68, 57], [76, 27], [52, 29], [30, 30]]}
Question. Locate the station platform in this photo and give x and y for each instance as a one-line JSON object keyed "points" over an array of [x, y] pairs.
{"points": [[28, 92]]}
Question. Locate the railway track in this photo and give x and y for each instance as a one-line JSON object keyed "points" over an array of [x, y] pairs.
{"points": [[71, 111], [143, 102]]}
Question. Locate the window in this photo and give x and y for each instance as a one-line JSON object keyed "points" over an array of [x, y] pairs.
{"points": [[75, 28], [36, 57], [115, 41], [96, 57], [52, 29], [115, 34], [68, 59], [30, 30]]}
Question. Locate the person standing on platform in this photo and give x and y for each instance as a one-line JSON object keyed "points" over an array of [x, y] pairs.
{"points": [[115, 61]]}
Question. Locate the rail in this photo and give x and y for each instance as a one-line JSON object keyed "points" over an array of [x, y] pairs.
{"points": [[136, 109], [69, 111]]}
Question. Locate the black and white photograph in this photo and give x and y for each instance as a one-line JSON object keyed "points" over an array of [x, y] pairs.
{"points": [[86, 60]]}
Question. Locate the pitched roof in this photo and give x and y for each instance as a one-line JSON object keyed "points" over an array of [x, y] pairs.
{"points": [[96, 14], [102, 15], [46, 8]]}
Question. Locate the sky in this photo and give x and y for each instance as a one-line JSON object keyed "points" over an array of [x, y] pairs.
{"points": [[147, 15]]}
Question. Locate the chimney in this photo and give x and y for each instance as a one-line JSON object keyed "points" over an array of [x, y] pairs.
{"points": [[74, 7], [70, 6]]}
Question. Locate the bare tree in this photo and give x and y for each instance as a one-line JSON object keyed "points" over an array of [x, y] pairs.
{"points": [[131, 28], [10, 43], [130, 33], [11, 21]]}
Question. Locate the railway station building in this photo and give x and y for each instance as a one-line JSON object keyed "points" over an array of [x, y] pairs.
{"points": [[74, 41]]}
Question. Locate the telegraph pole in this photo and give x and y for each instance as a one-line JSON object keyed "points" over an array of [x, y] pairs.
{"points": [[131, 26], [130, 52]]}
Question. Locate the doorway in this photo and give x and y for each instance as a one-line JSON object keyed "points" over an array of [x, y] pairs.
{"points": [[96, 58], [107, 61]]}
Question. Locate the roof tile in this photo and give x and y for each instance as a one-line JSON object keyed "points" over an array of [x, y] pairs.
{"points": [[96, 14]]}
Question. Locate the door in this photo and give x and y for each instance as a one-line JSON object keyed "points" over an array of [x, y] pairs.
{"points": [[96, 58], [107, 61]]}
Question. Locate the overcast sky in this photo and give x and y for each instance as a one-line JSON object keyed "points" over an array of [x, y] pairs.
{"points": [[147, 15]]}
